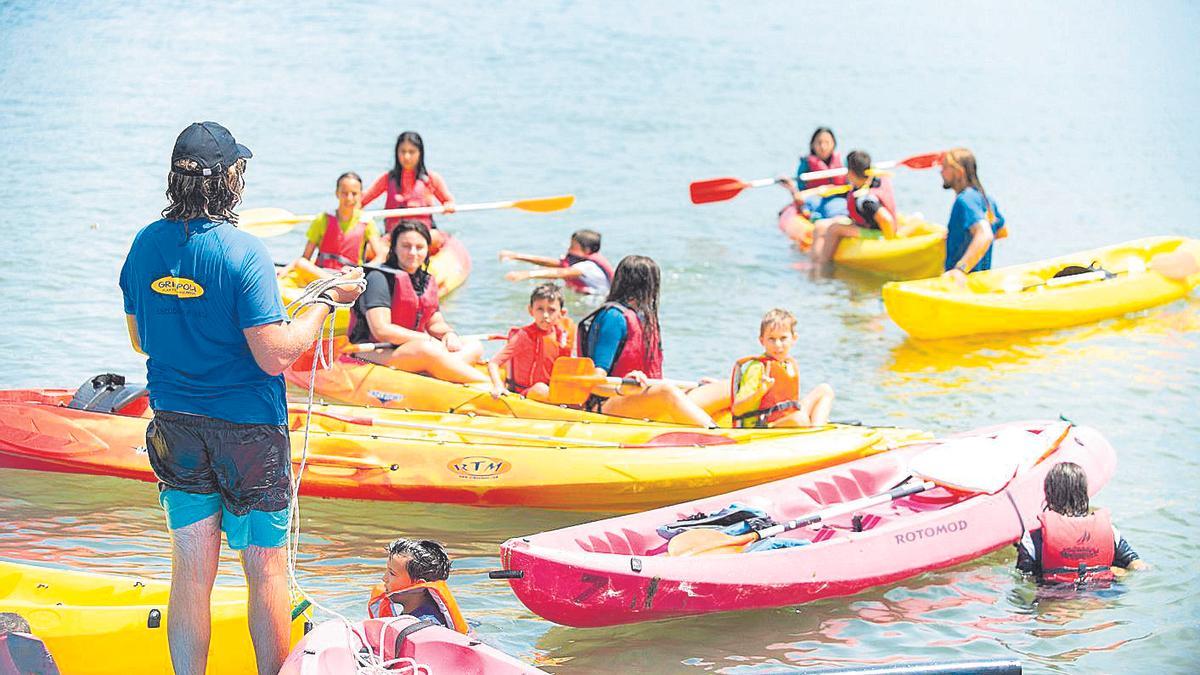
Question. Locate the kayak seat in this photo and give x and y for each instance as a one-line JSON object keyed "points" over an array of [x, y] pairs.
{"points": [[108, 393]]}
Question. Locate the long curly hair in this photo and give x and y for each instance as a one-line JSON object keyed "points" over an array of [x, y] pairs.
{"points": [[635, 284], [1067, 490], [212, 197]]}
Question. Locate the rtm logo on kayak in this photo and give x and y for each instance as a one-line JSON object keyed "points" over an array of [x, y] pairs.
{"points": [[927, 532], [478, 467], [385, 396], [177, 286]]}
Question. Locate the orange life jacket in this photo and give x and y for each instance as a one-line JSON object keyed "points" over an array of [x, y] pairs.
{"points": [[382, 605], [782, 397], [534, 353], [339, 249], [1077, 550]]}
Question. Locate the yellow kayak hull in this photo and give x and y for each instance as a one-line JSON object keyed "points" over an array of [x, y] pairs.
{"points": [[101, 624], [1016, 298], [918, 255], [451, 266]]}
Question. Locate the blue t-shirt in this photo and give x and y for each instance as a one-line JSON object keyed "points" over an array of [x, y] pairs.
{"points": [[969, 208], [607, 333], [192, 296]]}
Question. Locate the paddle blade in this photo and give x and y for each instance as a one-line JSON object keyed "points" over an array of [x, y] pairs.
{"points": [[925, 161], [701, 541], [572, 379], [545, 204], [716, 190], [268, 221]]}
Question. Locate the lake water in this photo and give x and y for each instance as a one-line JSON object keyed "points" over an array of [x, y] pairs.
{"points": [[1082, 116]]}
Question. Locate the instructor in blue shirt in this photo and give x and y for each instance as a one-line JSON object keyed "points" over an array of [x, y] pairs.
{"points": [[975, 219], [202, 303]]}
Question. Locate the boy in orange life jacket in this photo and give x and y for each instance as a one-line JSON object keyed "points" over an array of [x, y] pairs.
{"points": [[766, 388], [1073, 544], [414, 584], [531, 350], [583, 268]]}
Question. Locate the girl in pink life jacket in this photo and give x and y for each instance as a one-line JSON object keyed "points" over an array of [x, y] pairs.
{"points": [[342, 238], [409, 184], [400, 307], [1071, 543], [870, 206], [583, 268], [622, 339], [822, 155]]}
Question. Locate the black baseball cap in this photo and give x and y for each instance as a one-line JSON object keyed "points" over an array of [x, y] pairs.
{"points": [[211, 146]]}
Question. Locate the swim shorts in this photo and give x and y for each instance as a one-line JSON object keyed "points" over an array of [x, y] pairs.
{"points": [[205, 465]]}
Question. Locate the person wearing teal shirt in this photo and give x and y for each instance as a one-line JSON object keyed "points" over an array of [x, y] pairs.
{"points": [[975, 219]]}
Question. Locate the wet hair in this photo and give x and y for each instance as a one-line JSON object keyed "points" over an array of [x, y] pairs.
{"points": [[550, 292], [777, 317], [588, 240], [812, 142], [403, 226], [427, 559], [348, 174], [212, 197], [414, 138], [635, 284], [964, 159], [11, 622], [1067, 490], [858, 161]]}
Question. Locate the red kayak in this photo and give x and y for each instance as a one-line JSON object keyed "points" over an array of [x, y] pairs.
{"points": [[971, 494], [402, 644]]}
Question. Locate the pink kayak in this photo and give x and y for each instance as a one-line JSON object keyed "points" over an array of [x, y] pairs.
{"points": [[973, 493], [403, 644]]}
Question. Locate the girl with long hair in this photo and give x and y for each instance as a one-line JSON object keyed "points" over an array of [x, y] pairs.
{"points": [[409, 184], [822, 155]]}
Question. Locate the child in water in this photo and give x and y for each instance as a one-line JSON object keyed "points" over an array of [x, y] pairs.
{"points": [[531, 350], [766, 388], [414, 584], [342, 238], [1073, 543], [583, 268]]}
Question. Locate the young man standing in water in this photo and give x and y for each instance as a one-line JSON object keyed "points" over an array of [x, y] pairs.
{"points": [[202, 303], [975, 220]]}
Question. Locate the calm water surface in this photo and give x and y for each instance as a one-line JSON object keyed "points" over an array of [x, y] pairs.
{"points": [[1082, 115]]}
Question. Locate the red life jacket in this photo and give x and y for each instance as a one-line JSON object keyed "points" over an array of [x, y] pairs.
{"points": [[381, 604], [881, 188], [339, 249], [814, 163], [1077, 550], [631, 353], [780, 399], [420, 194], [575, 283], [534, 353], [410, 310]]}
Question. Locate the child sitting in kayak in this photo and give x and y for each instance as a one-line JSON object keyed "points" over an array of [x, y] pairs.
{"points": [[410, 185], [822, 156], [342, 238], [870, 206], [1073, 544], [766, 388], [414, 583], [583, 268], [529, 355]]}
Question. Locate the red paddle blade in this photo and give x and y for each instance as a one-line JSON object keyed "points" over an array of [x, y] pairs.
{"points": [[925, 161], [716, 189]]}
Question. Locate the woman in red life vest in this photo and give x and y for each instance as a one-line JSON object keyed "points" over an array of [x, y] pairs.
{"points": [[870, 206], [342, 238], [622, 338], [822, 156], [1073, 543], [583, 268], [766, 388], [531, 351], [409, 184], [414, 584], [400, 307]]}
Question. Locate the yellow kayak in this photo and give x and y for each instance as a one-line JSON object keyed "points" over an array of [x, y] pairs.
{"points": [[1108, 282], [918, 255], [451, 266], [95, 623]]}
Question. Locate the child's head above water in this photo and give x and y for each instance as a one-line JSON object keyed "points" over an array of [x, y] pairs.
{"points": [[777, 333], [412, 561], [546, 305], [586, 241], [1067, 490]]}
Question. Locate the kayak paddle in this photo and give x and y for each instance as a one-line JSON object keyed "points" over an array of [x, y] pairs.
{"points": [[721, 189], [704, 541], [272, 222], [573, 379]]}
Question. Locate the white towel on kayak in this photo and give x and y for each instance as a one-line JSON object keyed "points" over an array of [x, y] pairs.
{"points": [[980, 463]]}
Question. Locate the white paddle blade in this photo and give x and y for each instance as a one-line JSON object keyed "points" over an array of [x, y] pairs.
{"points": [[980, 463]]}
